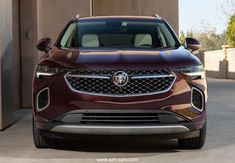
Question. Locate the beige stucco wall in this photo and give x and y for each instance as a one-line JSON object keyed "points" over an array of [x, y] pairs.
{"points": [[43, 18], [231, 64], [53, 15], [6, 55], [218, 66], [167, 9], [28, 24], [16, 56], [231, 58], [212, 60]]}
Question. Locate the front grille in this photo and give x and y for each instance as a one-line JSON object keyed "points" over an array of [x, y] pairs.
{"points": [[120, 118], [100, 82]]}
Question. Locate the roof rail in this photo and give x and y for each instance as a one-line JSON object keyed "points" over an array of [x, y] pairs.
{"points": [[76, 17], [156, 16]]}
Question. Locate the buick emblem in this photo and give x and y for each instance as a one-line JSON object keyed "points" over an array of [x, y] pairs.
{"points": [[120, 78]]}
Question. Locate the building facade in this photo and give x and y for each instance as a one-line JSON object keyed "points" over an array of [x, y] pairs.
{"points": [[24, 22]]}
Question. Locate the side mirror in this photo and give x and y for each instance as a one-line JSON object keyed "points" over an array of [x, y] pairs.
{"points": [[192, 44], [44, 44]]}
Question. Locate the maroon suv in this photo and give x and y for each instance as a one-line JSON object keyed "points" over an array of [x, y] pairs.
{"points": [[119, 75]]}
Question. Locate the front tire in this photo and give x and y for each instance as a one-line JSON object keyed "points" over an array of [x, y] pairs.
{"points": [[41, 141], [194, 143]]}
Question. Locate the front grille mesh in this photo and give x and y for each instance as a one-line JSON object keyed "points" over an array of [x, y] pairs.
{"points": [[135, 86]]}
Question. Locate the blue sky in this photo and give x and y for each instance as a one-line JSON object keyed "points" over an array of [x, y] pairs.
{"points": [[194, 12]]}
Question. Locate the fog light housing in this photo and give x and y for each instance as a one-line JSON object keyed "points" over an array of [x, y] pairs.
{"points": [[43, 99], [197, 99]]}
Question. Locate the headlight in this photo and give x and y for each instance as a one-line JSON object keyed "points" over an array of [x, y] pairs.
{"points": [[194, 72], [48, 71]]}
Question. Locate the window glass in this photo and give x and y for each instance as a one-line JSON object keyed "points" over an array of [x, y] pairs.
{"points": [[69, 36], [118, 34]]}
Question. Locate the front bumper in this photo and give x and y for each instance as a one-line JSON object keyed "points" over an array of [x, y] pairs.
{"points": [[120, 130], [167, 125], [65, 131], [176, 102]]}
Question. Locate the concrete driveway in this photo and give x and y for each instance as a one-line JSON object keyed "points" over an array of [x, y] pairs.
{"points": [[16, 145]]}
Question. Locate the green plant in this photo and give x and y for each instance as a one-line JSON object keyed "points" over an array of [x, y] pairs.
{"points": [[182, 37], [231, 31]]}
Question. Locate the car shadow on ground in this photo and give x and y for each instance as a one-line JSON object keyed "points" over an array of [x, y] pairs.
{"points": [[119, 145]]}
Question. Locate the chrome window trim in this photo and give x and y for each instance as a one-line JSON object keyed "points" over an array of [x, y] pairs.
{"points": [[203, 98], [49, 101], [137, 95]]}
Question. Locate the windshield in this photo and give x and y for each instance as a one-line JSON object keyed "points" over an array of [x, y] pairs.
{"points": [[118, 34]]}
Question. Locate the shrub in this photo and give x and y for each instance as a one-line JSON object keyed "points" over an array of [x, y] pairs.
{"points": [[231, 31]]}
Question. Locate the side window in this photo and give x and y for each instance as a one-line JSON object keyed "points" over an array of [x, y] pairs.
{"points": [[69, 37]]}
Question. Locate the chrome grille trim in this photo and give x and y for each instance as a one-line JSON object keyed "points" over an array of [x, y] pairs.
{"points": [[89, 76], [152, 76], [109, 77]]}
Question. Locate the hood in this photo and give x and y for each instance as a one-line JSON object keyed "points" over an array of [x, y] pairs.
{"points": [[117, 58]]}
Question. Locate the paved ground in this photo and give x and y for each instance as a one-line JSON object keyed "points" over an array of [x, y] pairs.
{"points": [[16, 145]]}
